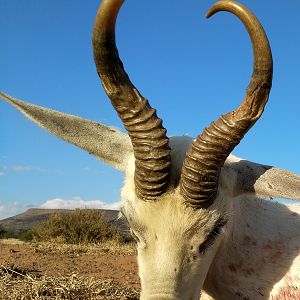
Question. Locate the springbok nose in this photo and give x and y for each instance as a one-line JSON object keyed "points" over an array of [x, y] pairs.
{"points": [[161, 297], [167, 296]]}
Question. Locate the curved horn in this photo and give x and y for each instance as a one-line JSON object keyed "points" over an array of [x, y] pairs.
{"points": [[203, 163], [148, 136]]}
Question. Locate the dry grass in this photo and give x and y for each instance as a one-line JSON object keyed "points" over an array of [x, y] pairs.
{"points": [[112, 247], [22, 284], [80, 233], [11, 241]]}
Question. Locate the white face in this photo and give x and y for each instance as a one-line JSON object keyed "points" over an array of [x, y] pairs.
{"points": [[176, 244]]}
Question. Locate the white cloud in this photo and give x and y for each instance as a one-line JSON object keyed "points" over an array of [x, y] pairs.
{"points": [[77, 202], [92, 170], [10, 209], [2, 173], [86, 169], [13, 208], [20, 168]]}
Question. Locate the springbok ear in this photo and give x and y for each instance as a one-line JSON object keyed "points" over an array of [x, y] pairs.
{"points": [[106, 143], [264, 180]]}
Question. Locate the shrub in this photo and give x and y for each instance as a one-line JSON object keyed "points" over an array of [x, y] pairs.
{"points": [[2, 232], [80, 226], [25, 235], [22, 234]]}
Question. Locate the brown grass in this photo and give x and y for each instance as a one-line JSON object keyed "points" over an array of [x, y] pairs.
{"points": [[11, 242], [80, 237], [22, 284], [111, 247]]}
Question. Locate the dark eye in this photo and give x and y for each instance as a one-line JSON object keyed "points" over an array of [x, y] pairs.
{"points": [[212, 236]]}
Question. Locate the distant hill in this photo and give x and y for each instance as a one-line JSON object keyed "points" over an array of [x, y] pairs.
{"points": [[30, 218]]}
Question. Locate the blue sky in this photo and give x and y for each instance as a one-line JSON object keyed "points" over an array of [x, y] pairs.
{"points": [[190, 68]]}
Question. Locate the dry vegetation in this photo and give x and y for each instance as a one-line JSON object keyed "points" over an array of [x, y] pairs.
{"points": [[16, 283], [111, 247], [82, 226], [84, 259]]}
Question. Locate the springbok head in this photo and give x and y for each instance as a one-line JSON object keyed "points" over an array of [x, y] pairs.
{"points": [[176, 191], [176, 201]]}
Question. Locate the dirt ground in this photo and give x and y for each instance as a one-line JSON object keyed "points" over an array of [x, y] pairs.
{"points": [[105, 262]]}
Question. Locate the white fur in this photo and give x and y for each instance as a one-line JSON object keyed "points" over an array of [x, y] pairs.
{"points": [[255, 256], [249, 260]]}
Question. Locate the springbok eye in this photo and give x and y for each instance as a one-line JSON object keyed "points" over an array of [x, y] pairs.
{"points": [[212, 236]]}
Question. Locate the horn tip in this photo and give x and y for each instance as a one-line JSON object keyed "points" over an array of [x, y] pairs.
{"points": [[210, 13]]}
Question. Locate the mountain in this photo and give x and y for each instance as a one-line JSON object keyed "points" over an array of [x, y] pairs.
{"points": [[30, 218]]}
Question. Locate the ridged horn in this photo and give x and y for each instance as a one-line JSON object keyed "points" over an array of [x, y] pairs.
{"points": [[148, 136], [205, 158]]}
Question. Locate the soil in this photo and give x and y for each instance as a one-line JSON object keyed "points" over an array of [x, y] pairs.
{"points": [[120, 267]]}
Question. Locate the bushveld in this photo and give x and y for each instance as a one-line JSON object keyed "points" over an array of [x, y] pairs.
{"points": [[75, 237]]}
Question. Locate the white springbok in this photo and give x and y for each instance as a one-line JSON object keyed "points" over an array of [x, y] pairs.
{"points": [[192, 207]]}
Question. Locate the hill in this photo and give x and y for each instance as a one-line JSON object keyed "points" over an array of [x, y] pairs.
{"points": [[30, 218]]}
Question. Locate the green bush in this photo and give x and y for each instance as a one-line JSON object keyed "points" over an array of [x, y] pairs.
{"points": [[3, 232], [25, 235], [22, 234], [81, 226]]}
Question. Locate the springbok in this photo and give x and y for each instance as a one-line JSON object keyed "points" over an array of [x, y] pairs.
{"points": [[193, 208]]}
